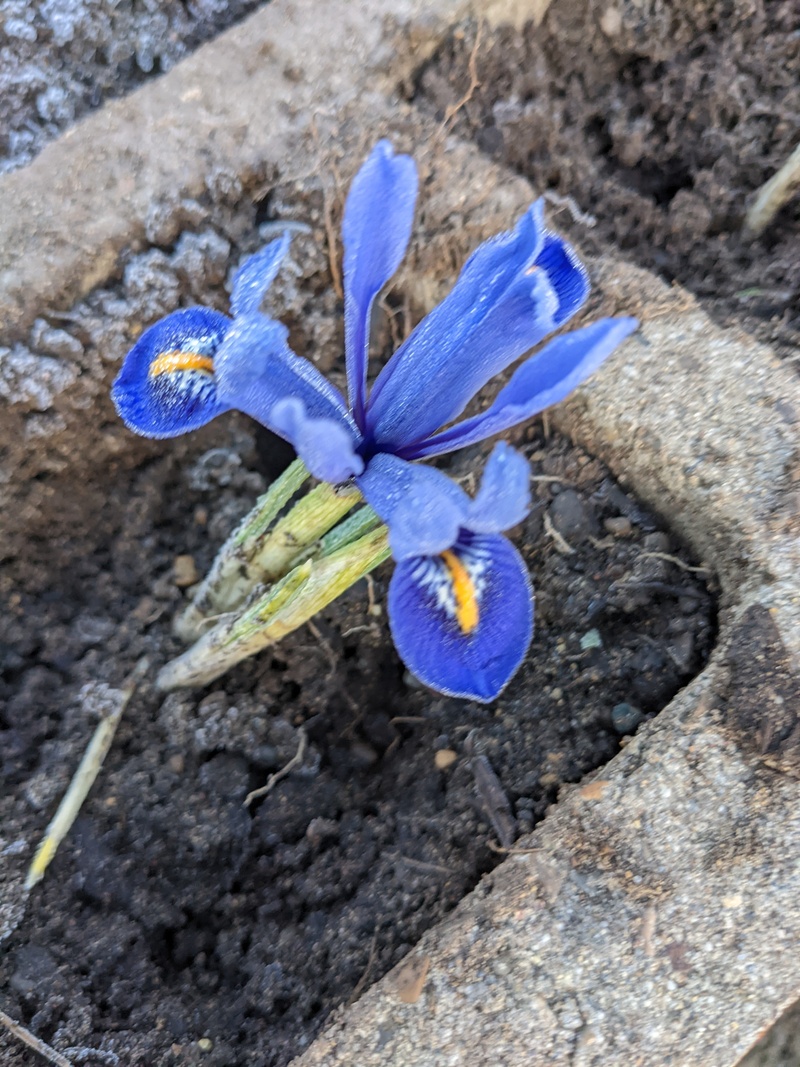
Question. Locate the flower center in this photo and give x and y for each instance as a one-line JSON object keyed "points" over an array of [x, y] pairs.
{"points": [[464, 592], [168, 362]]}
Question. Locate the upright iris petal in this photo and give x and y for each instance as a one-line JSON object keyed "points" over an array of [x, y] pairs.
{"points": [[256, 275], [167, 384], [514, 290], [375, 230], [541, 381]]}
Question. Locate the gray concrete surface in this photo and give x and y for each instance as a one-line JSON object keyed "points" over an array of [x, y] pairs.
{"points": [[62, 58], [652, 918]]}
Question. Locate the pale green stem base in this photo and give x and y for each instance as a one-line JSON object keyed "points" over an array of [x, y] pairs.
{"points": [[284, 606], [258, 552]]}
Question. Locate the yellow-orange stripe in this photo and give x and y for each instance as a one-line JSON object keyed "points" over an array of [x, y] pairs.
{"points": [[464, 592], [177, 360]]}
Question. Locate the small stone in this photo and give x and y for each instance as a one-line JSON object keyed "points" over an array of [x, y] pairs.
{"points": [[571, 517], [591, 639], [444, 758], [681, 652], [656, 542], [619, 526], [412, 682], [205, 1044], [319, 830], [611, 22], [216, 468], [625, 718], [184, 571], [363, 754]]}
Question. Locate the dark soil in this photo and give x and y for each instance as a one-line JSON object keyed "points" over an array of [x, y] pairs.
{"points": [[659, 121], [173, 913]]}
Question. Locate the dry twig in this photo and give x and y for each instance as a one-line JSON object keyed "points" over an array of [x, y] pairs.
{"points": [[474, 83], [273, 779], [562, 546], [27, 1038], [678, 562], [359, 987], [330, 236]]}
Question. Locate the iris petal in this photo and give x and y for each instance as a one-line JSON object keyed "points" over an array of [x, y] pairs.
{"points": [[566, 274], [504, 496], [377, 224], [514, 290], [167, 384], [256, 275], [256, 368], [541, 381], [462, 623], [423, 508], [325, 445]]}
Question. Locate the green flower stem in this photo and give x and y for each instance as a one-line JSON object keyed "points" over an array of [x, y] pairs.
{"points": [[282, 608], [258, 552]]}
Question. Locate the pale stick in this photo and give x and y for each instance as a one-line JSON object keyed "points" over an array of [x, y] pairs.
{"points": [[83, 779]]}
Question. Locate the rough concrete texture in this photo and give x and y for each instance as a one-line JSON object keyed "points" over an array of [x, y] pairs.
{"points": [[224, 113], [652, 918], [61, 58]]}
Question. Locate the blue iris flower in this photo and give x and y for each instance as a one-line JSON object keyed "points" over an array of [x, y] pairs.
{"points": [[460, 601]]}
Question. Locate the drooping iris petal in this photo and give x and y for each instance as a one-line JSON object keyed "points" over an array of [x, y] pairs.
{"points": [[462, 620], [543, 380], [376, 227], [503, 304], [504, 496], [256, 368], [325, 445], [256, 275], [422, 507], [167, 384]]}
